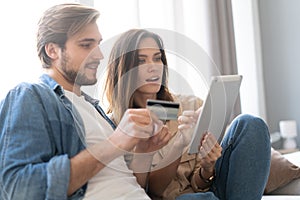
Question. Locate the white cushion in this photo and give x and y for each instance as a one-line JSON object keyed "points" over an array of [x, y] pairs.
{"points": [[293, 157], [280, 197]]}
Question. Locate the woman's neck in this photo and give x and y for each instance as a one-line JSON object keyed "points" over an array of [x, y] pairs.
{"points": [[140, 100]]}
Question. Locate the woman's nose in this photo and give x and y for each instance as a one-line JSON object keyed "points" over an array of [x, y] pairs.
{"points": [[151, 67]]}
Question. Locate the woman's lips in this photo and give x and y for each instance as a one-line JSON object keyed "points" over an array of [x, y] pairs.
{"points": [[153, 79]]}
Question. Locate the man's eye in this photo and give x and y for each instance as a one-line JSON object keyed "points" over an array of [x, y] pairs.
{"points": [[86, 46]]}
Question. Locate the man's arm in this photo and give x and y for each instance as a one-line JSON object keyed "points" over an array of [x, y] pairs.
{"points": [[30, 166], [134, 129], [89, 162]]}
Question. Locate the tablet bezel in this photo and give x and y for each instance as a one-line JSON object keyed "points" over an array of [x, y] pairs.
{"points": [[217, 109]]}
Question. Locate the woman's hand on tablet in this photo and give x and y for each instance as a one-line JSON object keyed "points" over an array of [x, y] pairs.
{"points": [[186, 122], [209, 151]]}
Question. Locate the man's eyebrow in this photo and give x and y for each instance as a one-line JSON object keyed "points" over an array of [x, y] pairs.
{"points": [[88, 40]]}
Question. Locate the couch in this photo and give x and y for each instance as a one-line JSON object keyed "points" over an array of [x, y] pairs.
{"points": [[285, 177]]}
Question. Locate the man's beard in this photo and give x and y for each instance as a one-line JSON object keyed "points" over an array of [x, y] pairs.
{"points": [[74, 77]]}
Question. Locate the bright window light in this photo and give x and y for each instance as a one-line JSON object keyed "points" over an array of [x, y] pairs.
{"points": [[19, 60]]}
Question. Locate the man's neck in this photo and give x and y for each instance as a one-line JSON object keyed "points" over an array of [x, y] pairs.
{"points": [[61, 80]]}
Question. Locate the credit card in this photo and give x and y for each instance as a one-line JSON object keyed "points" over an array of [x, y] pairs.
{"points": [[164, 110]]}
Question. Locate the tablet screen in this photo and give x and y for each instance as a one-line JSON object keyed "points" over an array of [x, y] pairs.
{"points": [[217, 109]]}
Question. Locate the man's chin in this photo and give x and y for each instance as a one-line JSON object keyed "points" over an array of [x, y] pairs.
{"points": [[87, 82]]}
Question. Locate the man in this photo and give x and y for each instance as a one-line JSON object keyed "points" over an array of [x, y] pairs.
{"points": [[52, 142]]}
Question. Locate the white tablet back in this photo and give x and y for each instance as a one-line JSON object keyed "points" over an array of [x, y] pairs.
{"points": [[217, 109]]}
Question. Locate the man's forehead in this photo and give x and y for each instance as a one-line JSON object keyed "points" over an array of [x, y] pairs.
{"points": [[88, 33]]}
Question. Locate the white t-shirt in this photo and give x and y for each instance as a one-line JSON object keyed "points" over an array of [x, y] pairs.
{"points": [[115, 181]]}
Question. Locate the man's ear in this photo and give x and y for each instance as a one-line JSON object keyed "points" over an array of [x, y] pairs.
{"points": [[52, 50]]}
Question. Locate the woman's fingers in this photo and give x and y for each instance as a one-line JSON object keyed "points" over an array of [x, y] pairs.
{"points": [[161, 137], [186, 120], [137, 123], [210, 149]]}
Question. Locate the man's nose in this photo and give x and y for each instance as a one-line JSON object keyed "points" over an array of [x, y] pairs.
{"points": [[97, 53]]}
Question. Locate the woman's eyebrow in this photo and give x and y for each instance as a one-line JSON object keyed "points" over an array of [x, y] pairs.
{"points": [[144, 55]]}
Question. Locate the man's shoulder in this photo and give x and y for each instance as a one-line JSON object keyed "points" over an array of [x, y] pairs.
{"points": [[43, 85], [30, 87], [26, 98], [29, 91]]}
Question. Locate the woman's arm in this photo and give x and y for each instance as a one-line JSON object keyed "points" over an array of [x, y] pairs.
{"points": [[166, 168], [141, 165], [144, 151], [161, 178]]}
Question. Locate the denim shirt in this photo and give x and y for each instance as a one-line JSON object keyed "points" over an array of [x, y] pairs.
{"points": [[40, 131]]}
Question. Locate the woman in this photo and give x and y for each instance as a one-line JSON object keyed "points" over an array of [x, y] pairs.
{"points": [[237, 168]]}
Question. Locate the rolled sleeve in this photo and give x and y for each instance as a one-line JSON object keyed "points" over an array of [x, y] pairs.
{"points": [[58, 176]]}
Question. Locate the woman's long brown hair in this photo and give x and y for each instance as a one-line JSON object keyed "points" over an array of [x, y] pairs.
{"points": [[119, 84]]}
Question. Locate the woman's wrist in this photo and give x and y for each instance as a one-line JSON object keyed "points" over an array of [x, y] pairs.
{"points": [[206, 175], [141, 162]]}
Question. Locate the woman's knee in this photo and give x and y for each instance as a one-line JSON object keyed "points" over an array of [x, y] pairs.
{"points": [[252, 122], [250, 127]]}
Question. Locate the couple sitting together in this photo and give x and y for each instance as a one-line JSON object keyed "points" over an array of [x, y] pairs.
{"points": [[56, 142]]}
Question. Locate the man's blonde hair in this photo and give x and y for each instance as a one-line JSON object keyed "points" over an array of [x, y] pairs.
{"points": [[59, 23]]}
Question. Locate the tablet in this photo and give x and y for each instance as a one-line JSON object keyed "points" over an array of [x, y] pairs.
{"points": [[217, 109]]}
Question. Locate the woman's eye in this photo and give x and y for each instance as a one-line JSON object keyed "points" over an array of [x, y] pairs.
{"points": [[141, 61], [157, 59]]}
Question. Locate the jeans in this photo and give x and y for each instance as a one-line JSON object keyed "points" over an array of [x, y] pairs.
{"points": [[242, 170]]}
